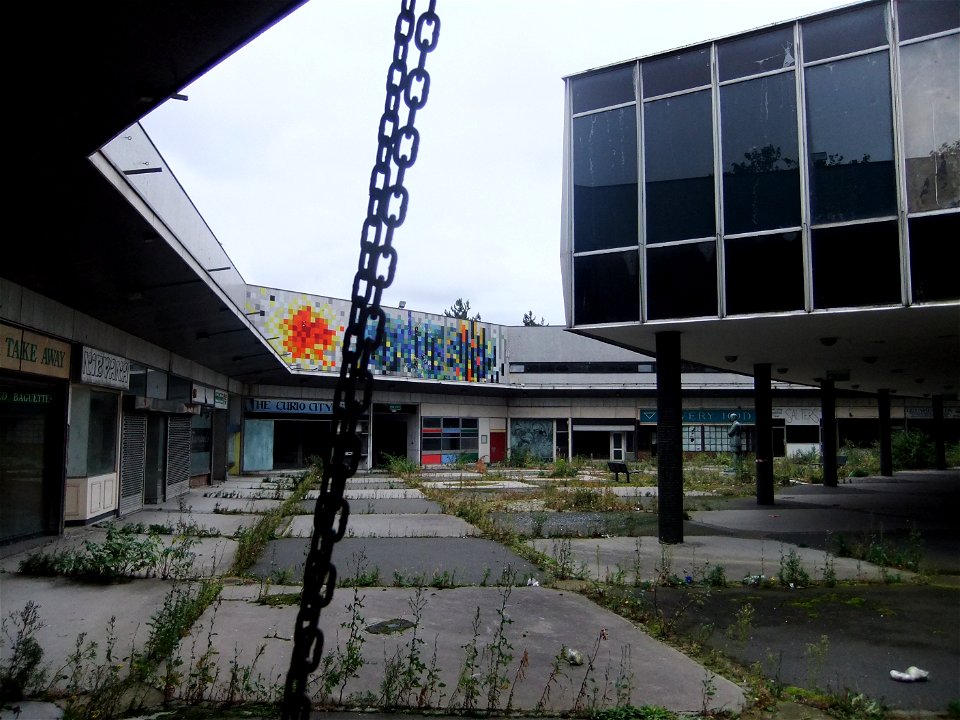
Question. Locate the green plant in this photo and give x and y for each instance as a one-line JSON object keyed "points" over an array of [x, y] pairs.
{"points": [[500, 651], [252, 539], [911, 449], [857, 706], [630, 712], [561, 468], [816, 658], [792, 573], [21, 671], [468, 683]]}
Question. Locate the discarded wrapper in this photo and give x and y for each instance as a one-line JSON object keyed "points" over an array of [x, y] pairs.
{"points": [[912, 674]]}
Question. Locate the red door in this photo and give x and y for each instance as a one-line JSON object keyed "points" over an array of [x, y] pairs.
{"points": [[498, 446]]}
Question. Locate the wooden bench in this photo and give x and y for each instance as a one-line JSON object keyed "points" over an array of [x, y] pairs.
{"points": [[618, 467]]}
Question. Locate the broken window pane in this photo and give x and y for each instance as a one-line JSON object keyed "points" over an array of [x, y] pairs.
{"points": [[756, 54]]}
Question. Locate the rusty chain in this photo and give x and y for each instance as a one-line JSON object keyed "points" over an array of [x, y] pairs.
{"points": [[397, 145]]}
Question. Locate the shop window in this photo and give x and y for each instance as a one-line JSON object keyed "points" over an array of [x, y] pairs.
{"points": [[532, 436], [451, 436], [612, 87], [682, 280], [851, 139], [761, 171], [678, 162], [930, 77], [683, 71], [102, 433], [605, 180], [935, 257], [764, 274], [606, 288], [856, 265]]}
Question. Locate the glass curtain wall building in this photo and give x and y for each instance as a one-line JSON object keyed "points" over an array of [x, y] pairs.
{"points": [[812, 165]]}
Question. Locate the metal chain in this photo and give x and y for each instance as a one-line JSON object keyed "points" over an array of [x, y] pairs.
{"points": [[397, 144]]}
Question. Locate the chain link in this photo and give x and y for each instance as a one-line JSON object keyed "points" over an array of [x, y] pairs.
{"points": [[397, 146]]}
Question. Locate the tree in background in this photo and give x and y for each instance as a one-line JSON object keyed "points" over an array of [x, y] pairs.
{"points": [[461, 309], [529, 319]]}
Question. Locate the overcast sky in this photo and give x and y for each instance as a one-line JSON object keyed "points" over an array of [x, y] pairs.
{"points": [[276, 144]]}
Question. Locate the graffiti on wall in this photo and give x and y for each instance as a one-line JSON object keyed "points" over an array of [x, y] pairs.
{"points": [[307, 330]]}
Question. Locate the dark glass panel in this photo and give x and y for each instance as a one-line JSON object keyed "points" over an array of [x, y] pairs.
{"points": [[855, 265], [678, 152], [605, 180], [935, 257], [756, 54], [761, 172], [930, 76], [925, 17], [844, 33], [606, 288], [851, 139], [764, 274], [677, 72], [612, 87], [682, 281]]}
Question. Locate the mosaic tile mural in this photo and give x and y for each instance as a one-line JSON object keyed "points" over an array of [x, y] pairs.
{"points": [[307, 330]]}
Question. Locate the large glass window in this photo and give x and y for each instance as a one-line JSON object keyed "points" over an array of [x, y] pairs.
{"points": [[930, 76], [851, 139], [605, 180], [678, 157], [935, 257], [925, 17], [684, 71], [452, 437], [606, 288], [761, 172], [845, 33], [756, 54], [764, 274], [856, 265], [682, 280], [604, 89]]}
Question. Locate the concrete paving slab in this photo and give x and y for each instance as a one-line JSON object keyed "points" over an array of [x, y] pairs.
{"points": [[478, 484], [385, 506], [397, 526], [375, 494], [790, 520], [632, 559], [454, 561], [196, 503], [539, 627], [221, 524], [276, 493]]}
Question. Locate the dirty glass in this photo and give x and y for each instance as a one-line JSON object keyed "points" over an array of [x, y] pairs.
{"points": [[756, 54], [674, 73], [930, 75], [605, 180], [760, 156], [850, 139], [917, 18], [764, 274], [682, 280], [678, 156], [935, 257], [606, 288], [613, 87], [856, 265], [844, 33]]}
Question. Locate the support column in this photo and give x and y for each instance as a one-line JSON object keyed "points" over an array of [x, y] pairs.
{"points": [[763, 404], [886, 447], [828, 432], [939, 446], [669, 438]]}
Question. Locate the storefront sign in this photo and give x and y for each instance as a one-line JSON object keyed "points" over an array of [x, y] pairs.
{"points": [[221, 399], [33, 353], [798, 415], [19, 396], [100, 368], [299, 407], [926, 413], [704, 416]]}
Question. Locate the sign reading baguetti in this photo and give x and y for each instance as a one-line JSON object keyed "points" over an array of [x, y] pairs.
{"points": [[33, 353], [100, 368]]}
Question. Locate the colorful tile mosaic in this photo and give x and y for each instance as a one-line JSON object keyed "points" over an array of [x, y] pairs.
{"points": [[307, 330]]}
